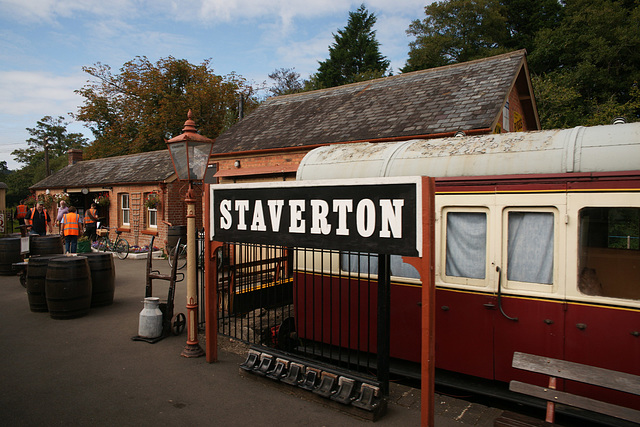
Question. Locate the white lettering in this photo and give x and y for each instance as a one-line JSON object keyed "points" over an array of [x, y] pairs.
{"points": [[342, 206], [391, 217], [366, 217], [296, 207], [319, 212], [275, 212], [242, 206], [258, 223], [225, 215]]}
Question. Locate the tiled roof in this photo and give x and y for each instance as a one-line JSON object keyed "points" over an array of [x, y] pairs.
{"points": [[154, 166], [462, 96]]}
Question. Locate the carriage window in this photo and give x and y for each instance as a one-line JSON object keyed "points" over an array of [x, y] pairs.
{"points": [[466, 251], [366, 263], [530, 247], [609, 252]]}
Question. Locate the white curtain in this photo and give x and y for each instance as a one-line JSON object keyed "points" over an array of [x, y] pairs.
{"points": [[530, 247], [466, 244]]}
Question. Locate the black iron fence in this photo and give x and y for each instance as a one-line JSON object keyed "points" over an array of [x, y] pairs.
{"points": [[7, 222], [312, 303]]}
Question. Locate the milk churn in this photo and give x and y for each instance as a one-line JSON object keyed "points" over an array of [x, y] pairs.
{"points": [[150, 324]]}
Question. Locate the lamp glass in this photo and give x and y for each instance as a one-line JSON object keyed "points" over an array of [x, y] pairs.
{"points": [[178, 151], [198, 159]]}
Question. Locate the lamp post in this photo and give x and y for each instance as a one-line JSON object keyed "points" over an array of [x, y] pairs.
{"points": [[190, 154]]}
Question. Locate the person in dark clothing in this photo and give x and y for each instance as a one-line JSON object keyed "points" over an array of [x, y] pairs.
{"points": [[39, 220]]}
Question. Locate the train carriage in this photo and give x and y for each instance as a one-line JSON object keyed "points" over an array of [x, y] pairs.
{"points": [[537, 251]]}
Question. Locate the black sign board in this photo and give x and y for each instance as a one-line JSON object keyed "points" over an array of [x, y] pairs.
{"points": [[380, 215]]}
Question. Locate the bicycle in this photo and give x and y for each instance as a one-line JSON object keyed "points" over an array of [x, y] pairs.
{"points": [[182, 256], [120, 246]]}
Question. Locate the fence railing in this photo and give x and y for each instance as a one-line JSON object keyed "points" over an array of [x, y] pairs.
{"points": [[6, 222], [301, 301]]}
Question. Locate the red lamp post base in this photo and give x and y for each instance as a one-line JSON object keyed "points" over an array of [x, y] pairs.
{"points": [[192, 350]]}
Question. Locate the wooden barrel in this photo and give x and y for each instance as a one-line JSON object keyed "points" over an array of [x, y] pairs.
{"points": [[36, 279], [46, 245], [174, 233], [9, 254], [103, 278], [68, 287]]}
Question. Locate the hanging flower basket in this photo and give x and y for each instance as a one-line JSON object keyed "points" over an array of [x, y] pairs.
{"points": [[102, 199], [59, 197], [152, 201]]}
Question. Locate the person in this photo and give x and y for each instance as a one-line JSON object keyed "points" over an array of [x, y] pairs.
{"points": [[21, 214], [39, 220], [91, 221], [71, 229], [62, 210]]}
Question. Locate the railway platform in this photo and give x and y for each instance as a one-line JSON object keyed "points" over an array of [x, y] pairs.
{"points": [[88, 372]]}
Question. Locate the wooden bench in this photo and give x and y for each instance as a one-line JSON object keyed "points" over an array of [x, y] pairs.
{"points": [[555, 368]]}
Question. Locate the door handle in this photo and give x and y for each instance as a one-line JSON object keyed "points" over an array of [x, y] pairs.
{"points": [[515, 319]]}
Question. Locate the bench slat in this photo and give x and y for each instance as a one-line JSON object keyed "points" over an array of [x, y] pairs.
{"points": [[574, 371], [576, 401]]}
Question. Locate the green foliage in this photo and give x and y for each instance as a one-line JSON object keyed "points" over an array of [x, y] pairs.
{"points": [[354, 56], [51, 133], [287, 81], [457, 31], [525, 18], [595, 50], [145, 103]]}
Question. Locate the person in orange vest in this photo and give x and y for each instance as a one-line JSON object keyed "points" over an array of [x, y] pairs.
{"points": [[21, 212], [71, 229], [91, 221], [39, 220]]}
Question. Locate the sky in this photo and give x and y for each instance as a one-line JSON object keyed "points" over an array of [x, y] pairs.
{"points": [[45, 43]]}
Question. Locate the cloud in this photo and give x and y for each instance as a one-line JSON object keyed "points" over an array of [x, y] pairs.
{"points": [[32, 92]]}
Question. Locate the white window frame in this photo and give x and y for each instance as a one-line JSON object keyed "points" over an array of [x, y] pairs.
{"points": [[468, 281], [529, 286], [125, 207], [153, 224]]}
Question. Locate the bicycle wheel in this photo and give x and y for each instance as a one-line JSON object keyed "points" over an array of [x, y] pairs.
{"points": [[182, 256], [122, 248], [103, 244]]}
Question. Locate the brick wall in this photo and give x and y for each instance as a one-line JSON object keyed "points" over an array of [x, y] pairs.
{"points": [[172, 210], [515, 106]]}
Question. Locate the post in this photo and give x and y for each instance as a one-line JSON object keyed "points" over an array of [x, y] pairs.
{"points": [[384, 320], [192, 349]]}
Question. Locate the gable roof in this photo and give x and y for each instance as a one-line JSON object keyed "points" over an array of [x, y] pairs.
{"points": [[463, 96], [153, 166]]}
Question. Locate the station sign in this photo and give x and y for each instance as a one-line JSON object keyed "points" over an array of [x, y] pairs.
{"points": [[377, 215]]}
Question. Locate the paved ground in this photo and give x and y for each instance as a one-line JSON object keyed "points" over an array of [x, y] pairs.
{"points": [[88, 372]]}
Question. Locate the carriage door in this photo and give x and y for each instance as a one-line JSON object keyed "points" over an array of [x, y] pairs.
{"points": [[464, 298], [529, 315]]}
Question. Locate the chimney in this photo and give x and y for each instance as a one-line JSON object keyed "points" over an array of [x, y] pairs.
{"points": [[75, 156]]}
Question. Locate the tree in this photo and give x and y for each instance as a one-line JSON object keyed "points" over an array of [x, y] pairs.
{"points": [[525, 18], [601, 66], [145, 103], [287, 81], [457, 31], [51, 138], [354, 56]]}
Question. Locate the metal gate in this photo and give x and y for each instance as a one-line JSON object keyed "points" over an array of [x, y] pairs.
{"points": [[313, 303]]}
